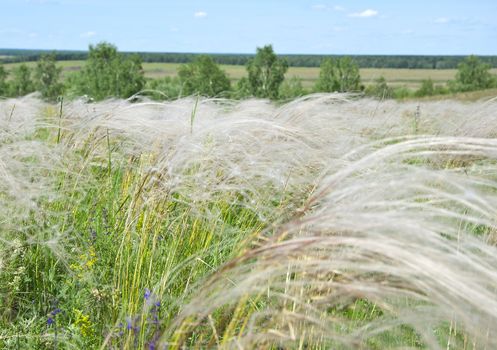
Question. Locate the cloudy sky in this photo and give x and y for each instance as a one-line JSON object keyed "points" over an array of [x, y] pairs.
{"points": [[231, 26]]}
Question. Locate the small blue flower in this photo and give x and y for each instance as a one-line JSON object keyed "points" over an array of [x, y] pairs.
{"points": [[55, 312], [154, 342], [129, 324], [52, 315], [148, 294]]}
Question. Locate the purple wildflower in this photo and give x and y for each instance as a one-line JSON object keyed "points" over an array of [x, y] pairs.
{"points": [[147, 294], [55, 312], [52, 315]]}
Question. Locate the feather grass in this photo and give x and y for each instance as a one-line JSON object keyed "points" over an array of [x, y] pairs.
{"points": [[328, 222]]}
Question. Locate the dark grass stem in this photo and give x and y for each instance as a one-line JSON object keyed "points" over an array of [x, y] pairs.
{"points": [[60, 119], [194, 112]]}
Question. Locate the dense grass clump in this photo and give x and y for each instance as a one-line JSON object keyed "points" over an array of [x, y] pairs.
{"points": [[327, 222]]}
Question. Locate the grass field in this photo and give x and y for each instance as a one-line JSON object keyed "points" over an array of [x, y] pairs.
{"points": [[325, 223], [410, 78]]}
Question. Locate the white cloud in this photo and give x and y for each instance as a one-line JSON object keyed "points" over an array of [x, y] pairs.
{"points": [[338, 8], [33, 35], [365, 14], [174, 29], [200, 14], [442, 20], [89, 34]]}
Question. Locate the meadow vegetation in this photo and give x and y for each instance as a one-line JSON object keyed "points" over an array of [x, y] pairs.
{"points": [[331, 221]]}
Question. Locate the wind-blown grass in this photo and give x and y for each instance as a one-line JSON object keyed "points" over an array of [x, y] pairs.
{"points": [[328, 222], [402, 240]]}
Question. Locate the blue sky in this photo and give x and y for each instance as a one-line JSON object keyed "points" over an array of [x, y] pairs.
{"points": [[222, 26]]}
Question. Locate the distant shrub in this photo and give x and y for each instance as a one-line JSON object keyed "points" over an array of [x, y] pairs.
{"points": [[21, 83], [203, 76], [427, 88], [167, 88], [379, 89], [472, 74], [4, 87], [341, 75], [291, 88], [441, 90], [47, 77], [401, 93]]}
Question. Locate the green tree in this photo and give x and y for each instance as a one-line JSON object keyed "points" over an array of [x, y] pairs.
{"points": [[21, 81], [472, 74], [108, 73], [291, 88], [4, 87], [131, 76], [266, 72], [203, 76], [339, 75], [47, 77]]}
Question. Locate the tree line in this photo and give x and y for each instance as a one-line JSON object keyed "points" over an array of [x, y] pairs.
{"points": [[108, 73], [294, 60]]}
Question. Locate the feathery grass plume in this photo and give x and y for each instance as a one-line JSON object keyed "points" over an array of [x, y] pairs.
{"points": [[369, 237], [231, 149], [235, 146], [19, 117], [25, 162], [32, 170], [23, 169], [387, 238], [367, 119]]}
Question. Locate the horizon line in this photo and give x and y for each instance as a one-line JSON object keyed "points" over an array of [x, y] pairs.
{"points": [[253, 53]]}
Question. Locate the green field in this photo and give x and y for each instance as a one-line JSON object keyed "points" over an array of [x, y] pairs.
{"points": [[396, 77]]}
